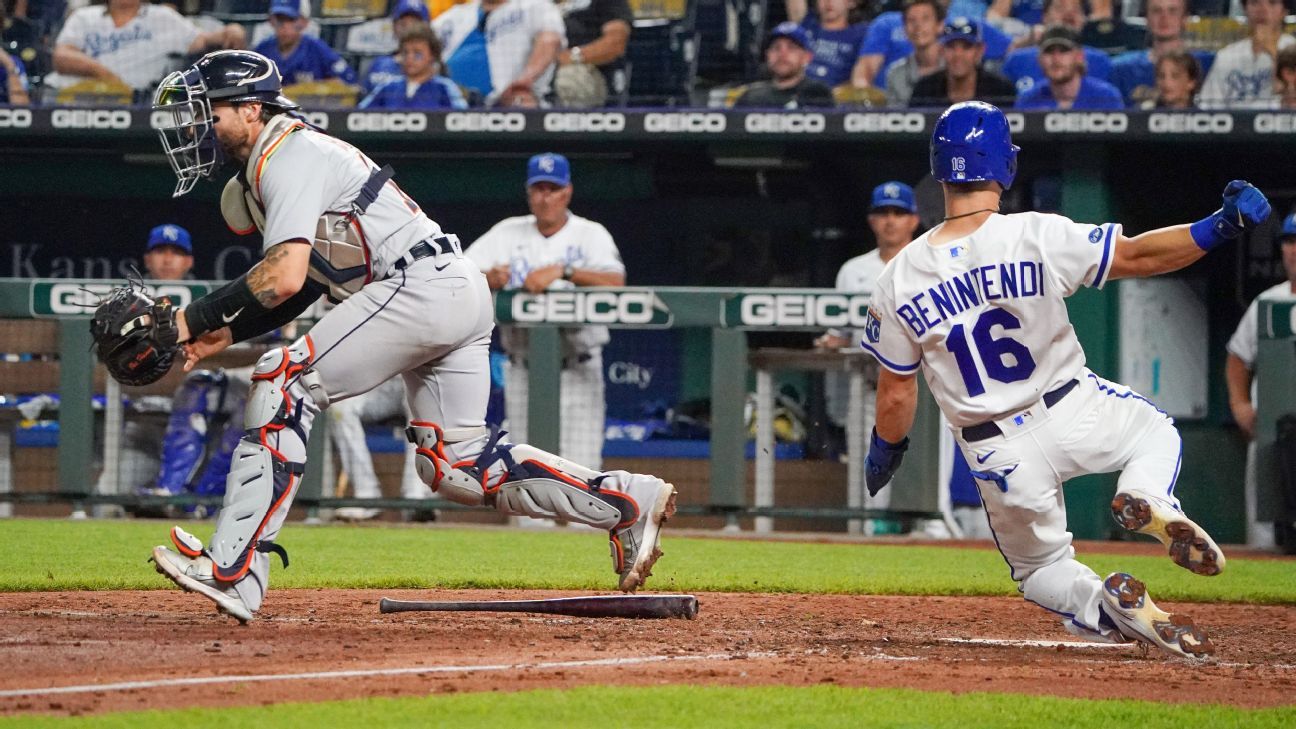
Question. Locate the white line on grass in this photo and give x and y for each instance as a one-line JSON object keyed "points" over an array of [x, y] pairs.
{"points": [[360, 673]]}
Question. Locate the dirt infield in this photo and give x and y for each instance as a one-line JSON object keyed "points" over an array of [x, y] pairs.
{"points": [[942, 643]]}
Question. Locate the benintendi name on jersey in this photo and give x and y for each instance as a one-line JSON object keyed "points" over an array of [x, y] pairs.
{"points": [[953, 296]]}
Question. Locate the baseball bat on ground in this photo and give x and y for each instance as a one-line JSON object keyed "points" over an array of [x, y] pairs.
{"points": [[606, 606]]}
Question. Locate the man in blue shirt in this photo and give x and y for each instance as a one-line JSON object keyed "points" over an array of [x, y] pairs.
{"points": [[1134, 73], [405, 14], [421, 86], [1022, 66], [887, 43], [834, 41], [1067, 86], [301, 57]]}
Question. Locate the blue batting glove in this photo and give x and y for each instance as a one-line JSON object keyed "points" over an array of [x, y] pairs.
{"points": [[882, 462], [1244, 207]]}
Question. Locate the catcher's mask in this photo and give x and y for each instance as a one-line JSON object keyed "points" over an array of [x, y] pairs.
{"points": [[185, 99]]}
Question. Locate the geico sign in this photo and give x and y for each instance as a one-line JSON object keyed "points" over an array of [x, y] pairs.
{"points": [[827, 310], [582, 307], [493, 121], [1190, 123], [684, 122], [584, 122], [883, 122], [321, 119], [410, 121], [15, 118], [785, 123], [1274, 123], [1016, 122], [81, 299], [1092, 122], [91, 119]]}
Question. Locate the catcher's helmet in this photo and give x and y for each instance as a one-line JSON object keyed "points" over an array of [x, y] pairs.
{"points": [[186, 98], [972, 143]]}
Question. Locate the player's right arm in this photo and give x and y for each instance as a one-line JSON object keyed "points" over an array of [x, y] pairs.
{"points": [[1238, 376]]}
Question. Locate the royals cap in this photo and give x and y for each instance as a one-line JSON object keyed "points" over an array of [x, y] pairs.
{"points": [[548, 167], [894, 195], [170, 235]]}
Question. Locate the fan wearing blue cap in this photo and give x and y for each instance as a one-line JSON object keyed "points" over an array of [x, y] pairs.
{"points": [[301, 57], [405, 15], [1239, 372], [787, 55], [554, 249], [168, 255], [1068, 85], [963, 78]]}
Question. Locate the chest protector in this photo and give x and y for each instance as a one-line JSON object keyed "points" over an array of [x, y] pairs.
{"points": [[339, 256]]}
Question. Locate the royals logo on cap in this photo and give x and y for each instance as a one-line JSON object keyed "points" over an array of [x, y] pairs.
{"points": [[549, 167]]}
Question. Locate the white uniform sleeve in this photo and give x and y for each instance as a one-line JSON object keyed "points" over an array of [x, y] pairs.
{"points": [[177, 32], [1077, 254], [488, 251], [74, 30], [546, 16], [598, 252], [885, 336], [296, 188], [1243, 344]]}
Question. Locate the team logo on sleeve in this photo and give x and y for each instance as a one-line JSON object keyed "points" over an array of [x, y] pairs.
{"points": [[1095, 235], [873, 326]]}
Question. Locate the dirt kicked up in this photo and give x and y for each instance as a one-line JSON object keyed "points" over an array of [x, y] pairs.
{"points": [[83, 652]]}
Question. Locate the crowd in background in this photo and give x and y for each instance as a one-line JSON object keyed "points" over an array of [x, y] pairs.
{"points": [[1031, 54]]}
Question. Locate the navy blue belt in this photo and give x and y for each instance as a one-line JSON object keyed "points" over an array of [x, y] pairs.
{"points": [[423, 249], [974, 433]]}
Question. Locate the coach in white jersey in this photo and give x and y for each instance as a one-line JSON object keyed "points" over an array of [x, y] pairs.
{"points": [[332, 222], [978, 303], [1239, 371], [553, 248]]}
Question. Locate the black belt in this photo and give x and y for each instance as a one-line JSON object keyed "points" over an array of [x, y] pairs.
{"points": [[974, 433], [423, 249]]}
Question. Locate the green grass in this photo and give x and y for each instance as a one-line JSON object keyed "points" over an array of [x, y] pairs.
{"points": [[711, 707], [103, 555]]}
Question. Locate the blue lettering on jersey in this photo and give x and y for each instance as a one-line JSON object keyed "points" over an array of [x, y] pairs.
{"points": [[955, 295], [97, 44]]}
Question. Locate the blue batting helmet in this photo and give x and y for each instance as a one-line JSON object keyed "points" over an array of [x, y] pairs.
{"points": [[972, 143]]}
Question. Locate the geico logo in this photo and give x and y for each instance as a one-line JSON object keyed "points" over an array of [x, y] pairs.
{"points": [[590, 122], [829, 310], [91, 119], [1016, 122], [1093, 122], [581, 307], [1190, 123], [785, 123], [910, 122], [494, 121], [1274, 123], [15, 118], [384, 122], [321, 119], [673, 123], [69, 298]]}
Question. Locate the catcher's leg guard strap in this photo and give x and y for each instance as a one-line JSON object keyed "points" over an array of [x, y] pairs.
{"points": [[268, 461], [434, 465]]}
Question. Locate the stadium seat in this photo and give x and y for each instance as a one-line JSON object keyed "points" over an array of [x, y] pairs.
{"points": [[327, 94], [352, 8], [1212, 34], [663, 53], [93, 92]]}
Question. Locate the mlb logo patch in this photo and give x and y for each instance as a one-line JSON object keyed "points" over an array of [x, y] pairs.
{"points": [[873, 326], [956, 251], [1095, 235], [1021, 419]]}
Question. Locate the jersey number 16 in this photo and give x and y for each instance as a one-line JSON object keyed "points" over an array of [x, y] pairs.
{"points": [[1005, 359]]}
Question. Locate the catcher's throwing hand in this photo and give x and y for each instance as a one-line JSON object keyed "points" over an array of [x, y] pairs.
{"points": [[134, 336], [205, 346]]}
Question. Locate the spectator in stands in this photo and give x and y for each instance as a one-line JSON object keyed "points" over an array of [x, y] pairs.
{"points": [[598, 32], [13, 75], [1134, 73], [300, 57], [1022, 66], [1028, 12], [923, 20], [787, 55], [834, 41], [421, 86], [499, 46], [1067, 86], [1107, 31], [1285, 78], [1178, 77], [405, 14], [963, 77], [887, 43], [130, 42], [1243, 73]]}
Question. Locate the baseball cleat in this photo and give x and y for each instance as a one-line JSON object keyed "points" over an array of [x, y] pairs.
{"points": [[1190, 546], [195, 575], [636, 548], [1126, 602], [355, 513]]}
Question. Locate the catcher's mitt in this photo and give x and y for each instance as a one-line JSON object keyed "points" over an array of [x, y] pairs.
{"points": [[135, 337]]}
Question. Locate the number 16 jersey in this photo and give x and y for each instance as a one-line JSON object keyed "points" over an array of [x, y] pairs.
{"points": [[985, 315]]}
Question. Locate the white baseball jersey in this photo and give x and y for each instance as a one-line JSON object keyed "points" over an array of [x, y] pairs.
{"points": [[298, 174], [140, 52], [1240, 77], [510, 32], [859, 275], [518, 244], [1244, 344], [985, 315]]}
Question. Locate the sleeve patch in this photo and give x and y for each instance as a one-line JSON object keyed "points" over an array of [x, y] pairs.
{"points": [[1096, 235], [873, 326]]}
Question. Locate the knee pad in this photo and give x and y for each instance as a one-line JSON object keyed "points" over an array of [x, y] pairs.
{"points": [[437, 470]]}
